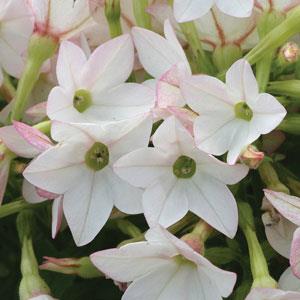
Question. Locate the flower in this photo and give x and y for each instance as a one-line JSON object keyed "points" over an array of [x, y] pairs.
{"points": [[178, 177], [93, 90], [80, 168], [188, 10], [43, 297], [295, 253], [231, 115], [277, 5], [165, 60], [16, 29], [164, 267], [61, 19]]}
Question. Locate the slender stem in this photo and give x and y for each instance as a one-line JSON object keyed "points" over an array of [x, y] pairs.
{"points": [[113, 16], [7, 89], [142, 18]]}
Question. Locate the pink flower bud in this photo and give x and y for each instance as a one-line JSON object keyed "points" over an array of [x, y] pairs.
{"points": [[290, 52], [252, 157]]}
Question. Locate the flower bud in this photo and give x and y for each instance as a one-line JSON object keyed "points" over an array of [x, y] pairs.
{"points": [[291, 124], [81, 267], [113, 15], [251, 157], [289, 53]]}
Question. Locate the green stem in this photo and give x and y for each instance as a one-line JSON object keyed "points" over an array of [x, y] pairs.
{"points": [[40, 49], [258, 262], [291, 124], [7, 89], [289, 88], [113, 16], [200, 58], [142, 18], [128, 228]]}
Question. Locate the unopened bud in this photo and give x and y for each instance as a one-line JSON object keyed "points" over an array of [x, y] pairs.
{"points": [[289, 52], [251, 157], [81, 267]]}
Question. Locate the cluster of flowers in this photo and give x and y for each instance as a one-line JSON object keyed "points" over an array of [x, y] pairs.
{"points": [[105, 139]]}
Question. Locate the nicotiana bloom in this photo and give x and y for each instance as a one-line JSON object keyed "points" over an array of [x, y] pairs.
{"points": [[16, 29], [178, 177], [94, 89], [188, 10], [165, 60], [61, 19], [164, 267], [231, 115], [80, 168]]}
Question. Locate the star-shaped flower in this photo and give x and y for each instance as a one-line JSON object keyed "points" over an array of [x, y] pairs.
{"points": [[188, 10], [231, 115], [93, 89], [178, 177], [80, 168], [164, 267]]}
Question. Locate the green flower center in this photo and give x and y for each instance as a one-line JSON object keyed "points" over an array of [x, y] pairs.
{"points": [[179, 259], [184, 167], [82, 100], [97, 157], [243, 111]]}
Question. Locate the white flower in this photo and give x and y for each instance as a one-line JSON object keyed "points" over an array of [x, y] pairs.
{"points": [[165, 60], [16, 29], [164, 267], [61, 19], [80, 168], [178, 177], [93, 89], [231, 115], [188, 10]]}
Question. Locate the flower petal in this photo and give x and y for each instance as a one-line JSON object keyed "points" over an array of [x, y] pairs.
{"points": [[57, 215], [289, 282], [295, 253], [236, 8], [87, 206], [189, 10]]}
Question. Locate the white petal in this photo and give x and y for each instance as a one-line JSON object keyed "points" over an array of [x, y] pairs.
{"points": [[289, 282], [157, 284], [143, 166], [57, 215], [30, 194], [131, 261], [87, 206], [236, 8], [287, 205], [57, 169], [188, 10], [71, 60], [165, 201], [212, 201], [295, 253], [123, 101], [279, 233], [267, 113], [109, 65], [156, 53], [126, 197], [242, 82]]}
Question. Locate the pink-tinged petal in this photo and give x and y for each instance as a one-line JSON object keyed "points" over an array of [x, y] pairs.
{"points": [[143, 166], [287, 205], [124, 101], [295, 253], [267, 113], [236, 8], [166, 282], [156, 53], [185, 116], [188, 10], [130, 261], [33, 136], [279, 232], [242, 82], [109, 65], [212, 201], [70, 62], [30, 194], [4, 173], [43, 297], [45, 194], [87, 206], [289, 282], [16, 143], [58, 168], [165, 202], [126, 197], [37, 112], [57, 215]]}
